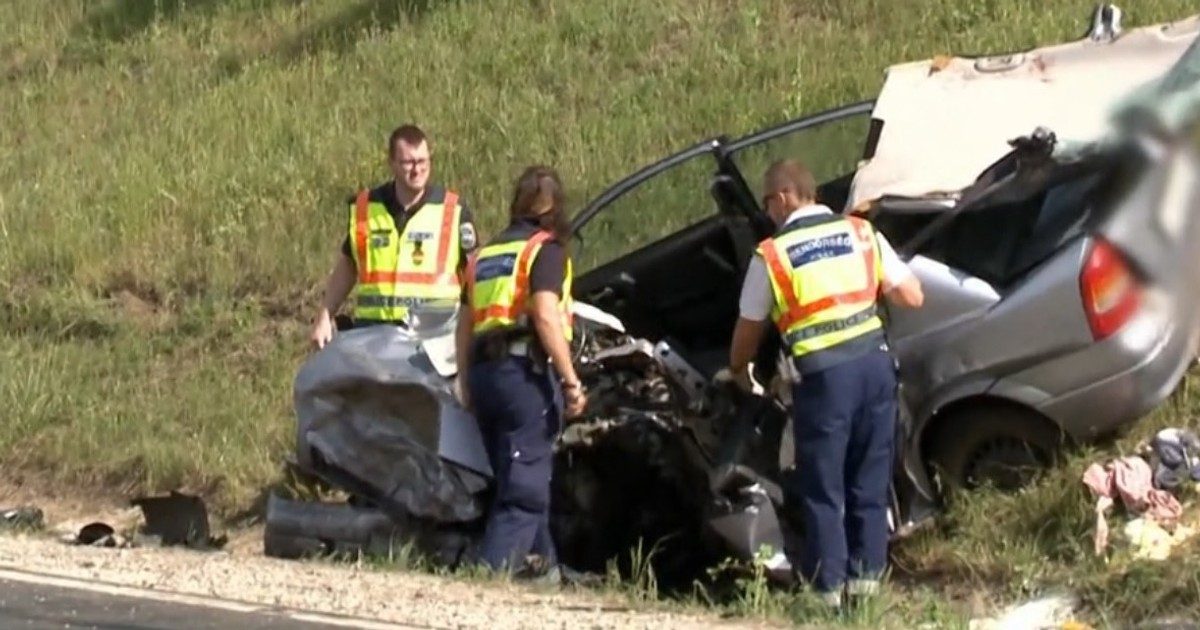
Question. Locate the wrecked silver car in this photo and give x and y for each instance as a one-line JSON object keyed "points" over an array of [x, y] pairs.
{"points": [[661, 458], [377, 418], [1061, 302]]}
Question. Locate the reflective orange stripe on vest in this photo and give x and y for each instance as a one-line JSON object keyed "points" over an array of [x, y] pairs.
{"points": [[362, 227], [510, 311], [796, 311]]}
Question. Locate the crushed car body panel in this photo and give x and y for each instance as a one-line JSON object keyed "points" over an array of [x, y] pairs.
{"points": [[946, 119], [376, 386], [1117, 185]]}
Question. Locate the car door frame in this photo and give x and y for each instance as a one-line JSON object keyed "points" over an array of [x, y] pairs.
{"points": [[734, 202], [599, 203], [620, 278], [722, 151], [726, 151]]}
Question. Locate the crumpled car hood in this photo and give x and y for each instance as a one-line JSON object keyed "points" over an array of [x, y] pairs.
{"points": [[377, 386], [947, 119]]}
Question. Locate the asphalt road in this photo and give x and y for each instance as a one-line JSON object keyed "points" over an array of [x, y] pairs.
{"points": [[26, 605]]}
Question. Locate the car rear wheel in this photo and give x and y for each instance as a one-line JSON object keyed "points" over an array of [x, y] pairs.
{"points": [[1001, 446]]}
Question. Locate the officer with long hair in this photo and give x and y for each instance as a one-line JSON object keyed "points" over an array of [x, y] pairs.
{"points": [[515, 369]]}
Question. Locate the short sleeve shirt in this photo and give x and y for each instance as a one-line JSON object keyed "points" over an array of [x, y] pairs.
{"points": [[386, 194], [756, 299]]}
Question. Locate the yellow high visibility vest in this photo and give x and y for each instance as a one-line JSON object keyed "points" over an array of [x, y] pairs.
{"points": [[398, 270], [498, 282], [825, 274]]}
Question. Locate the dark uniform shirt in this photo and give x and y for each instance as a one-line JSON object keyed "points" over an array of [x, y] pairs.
{"points": [[548, 272], [549, 266], [386, 194]]}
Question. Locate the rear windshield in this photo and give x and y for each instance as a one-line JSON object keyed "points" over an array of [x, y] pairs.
{"points": [[1000, 243]]}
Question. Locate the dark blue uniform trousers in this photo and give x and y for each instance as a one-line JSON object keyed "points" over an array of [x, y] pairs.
{"points": [[518, 411], [844, 420]]}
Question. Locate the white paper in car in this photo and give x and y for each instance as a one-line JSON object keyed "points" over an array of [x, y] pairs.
{"points": [[440, 351]]}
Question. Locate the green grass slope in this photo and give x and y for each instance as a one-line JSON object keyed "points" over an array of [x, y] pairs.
{"points": [[173, 175]]}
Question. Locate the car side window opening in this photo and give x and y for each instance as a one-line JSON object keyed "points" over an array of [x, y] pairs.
{"points": [[832, 151], [653, 210]]}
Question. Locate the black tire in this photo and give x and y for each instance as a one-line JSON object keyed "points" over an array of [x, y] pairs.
{"points": [[1002, 445]]}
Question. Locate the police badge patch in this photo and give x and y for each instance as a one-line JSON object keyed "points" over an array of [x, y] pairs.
{"points": [[419, 236], [466, 235], [380, 238]]}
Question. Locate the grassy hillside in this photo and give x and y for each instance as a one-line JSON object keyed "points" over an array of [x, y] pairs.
{"points": [[173, 174]]}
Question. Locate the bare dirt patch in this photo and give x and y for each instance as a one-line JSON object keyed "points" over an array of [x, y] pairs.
{"points": [[67, 510]]}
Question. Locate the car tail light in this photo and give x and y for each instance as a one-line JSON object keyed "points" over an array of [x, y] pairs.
{"points": [[1110, 291]]}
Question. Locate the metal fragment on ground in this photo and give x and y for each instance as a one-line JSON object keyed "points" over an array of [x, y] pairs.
{"points": [[26, 516], [178, 519]]}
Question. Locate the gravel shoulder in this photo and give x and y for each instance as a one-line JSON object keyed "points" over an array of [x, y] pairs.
{"points": [[241, 573], [355, 590]]}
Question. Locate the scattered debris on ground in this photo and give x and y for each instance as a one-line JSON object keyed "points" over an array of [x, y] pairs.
{"points": [[23, 517], [1149, 486], [97, 534], [178, 519], [1150, 541], [1177, 452], [1054, 611]]}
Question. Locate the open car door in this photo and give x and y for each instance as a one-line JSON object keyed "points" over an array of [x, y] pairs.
{"points": [[662, 251], [666, 249]]}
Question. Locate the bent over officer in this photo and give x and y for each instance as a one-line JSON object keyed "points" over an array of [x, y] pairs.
{"points": [[406, 243], [513, 345], [819, 278]]}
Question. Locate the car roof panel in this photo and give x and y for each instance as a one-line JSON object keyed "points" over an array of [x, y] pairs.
{"points": [[946, 119]]}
